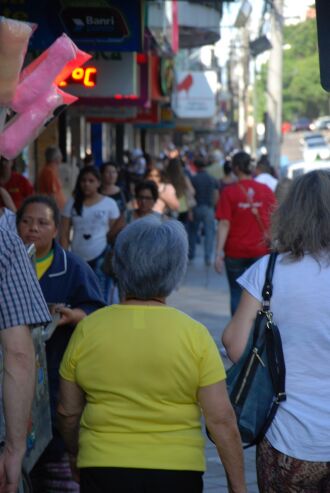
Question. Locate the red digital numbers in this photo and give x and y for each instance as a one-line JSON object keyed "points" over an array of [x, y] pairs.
{"points": [[85, 76]]}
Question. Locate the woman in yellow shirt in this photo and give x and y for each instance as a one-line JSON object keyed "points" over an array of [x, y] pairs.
{"points": [[135, 377]]}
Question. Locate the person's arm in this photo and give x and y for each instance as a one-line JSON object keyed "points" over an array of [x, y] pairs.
{"points": [[18, 391], [71, 404], [70, 316], [168, 195], [236, 333], [222, 234], [65, 232], [115, 228], [221, 423], [216, 194], [189, 186], [7, 200]]}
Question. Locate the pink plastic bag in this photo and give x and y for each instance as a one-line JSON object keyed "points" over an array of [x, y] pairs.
{"points": [[62, 56], [27, 126], [14, 38]]}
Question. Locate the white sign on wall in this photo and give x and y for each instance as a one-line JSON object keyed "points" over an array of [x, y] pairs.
{"points": [[194, 95]]}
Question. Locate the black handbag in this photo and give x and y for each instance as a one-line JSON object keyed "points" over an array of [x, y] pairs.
{"points": [[256, 383]]}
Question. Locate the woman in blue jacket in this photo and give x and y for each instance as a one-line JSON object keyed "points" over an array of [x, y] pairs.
{"points": [[71, 288]]}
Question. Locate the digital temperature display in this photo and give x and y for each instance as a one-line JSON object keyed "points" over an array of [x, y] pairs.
{"points": [[86, 76]]}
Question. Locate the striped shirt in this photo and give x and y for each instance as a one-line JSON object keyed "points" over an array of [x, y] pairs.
{"points": [[21, 299], [8, 220]]}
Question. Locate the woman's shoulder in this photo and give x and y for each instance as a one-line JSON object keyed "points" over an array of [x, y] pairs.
{"points": [[107, 201], [185, 321]]}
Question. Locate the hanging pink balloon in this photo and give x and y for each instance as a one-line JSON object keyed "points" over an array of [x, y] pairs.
{"points": [[61, 57], [27, 126]]}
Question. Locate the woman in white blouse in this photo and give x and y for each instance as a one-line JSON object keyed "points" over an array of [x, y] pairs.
{"points": [[91, 215]]}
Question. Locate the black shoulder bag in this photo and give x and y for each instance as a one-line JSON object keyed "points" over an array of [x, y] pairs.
{"points": [[256, 383]]}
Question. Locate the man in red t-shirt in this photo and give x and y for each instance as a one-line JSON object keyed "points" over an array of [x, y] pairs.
{"points": [[18, 187], [243, 212]]}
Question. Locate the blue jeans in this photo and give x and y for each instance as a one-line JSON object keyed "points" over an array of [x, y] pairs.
{"points": [[203, 214], [235, 267]]}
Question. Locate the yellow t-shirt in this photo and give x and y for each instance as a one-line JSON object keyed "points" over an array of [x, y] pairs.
{"points": [[140, 368], [44, 263]]}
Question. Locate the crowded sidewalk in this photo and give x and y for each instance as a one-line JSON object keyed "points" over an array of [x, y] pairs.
{"points": [[204, 296]]}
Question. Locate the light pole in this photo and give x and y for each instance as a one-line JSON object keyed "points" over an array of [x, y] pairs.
{"points": [[274, 86]]}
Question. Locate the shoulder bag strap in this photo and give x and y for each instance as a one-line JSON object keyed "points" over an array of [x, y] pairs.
{"points": [[267, 289], [273, 337], [275, 356]]}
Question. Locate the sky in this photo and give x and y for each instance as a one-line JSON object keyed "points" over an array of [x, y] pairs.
{"points": [[292, 8]]}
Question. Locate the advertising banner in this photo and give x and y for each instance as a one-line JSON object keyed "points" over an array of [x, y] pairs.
{"points": [[94, 25], [194, 95]]}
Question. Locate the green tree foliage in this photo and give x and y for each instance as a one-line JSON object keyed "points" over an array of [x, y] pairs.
{"points": [[302, 91]]}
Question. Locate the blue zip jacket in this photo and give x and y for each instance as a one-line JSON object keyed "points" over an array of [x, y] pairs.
{"points": [[71, 281]]}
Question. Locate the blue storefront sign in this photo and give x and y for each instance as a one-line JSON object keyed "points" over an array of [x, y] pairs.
{"points": [[94, 25]]}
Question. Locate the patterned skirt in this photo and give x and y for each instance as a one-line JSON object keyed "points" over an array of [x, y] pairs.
{"points": [[280, 473]]}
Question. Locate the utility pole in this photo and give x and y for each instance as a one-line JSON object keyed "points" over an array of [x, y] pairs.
{"points": [[274, 86], [243, 87]]}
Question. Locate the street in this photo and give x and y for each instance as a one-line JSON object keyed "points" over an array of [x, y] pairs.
{"points": [[291, 147], [204, 296]]}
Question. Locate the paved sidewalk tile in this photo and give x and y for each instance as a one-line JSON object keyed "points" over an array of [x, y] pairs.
{"points": [[203, 295]]}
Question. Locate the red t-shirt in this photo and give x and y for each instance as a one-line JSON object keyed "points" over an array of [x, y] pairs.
{"points": [[246, 237], [19, 188], [49, 184]]}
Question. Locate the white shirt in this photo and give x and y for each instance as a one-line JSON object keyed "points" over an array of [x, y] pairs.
{"points": [[268, 180], [301, 308], [90, 229]]}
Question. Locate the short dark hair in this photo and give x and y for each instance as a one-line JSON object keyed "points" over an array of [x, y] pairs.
{"points": [[242, 161], [263, 164], [200, 161], [52, 153], [104, 166], [147, 185], [227, 168], [39, 199]]}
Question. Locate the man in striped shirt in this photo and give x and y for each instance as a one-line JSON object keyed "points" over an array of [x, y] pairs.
{"points": [[22, 306]]}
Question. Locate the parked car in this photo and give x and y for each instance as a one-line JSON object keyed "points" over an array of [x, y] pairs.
{"points": [[302, 167], [322, 123], [301, 124], [311, 136], [315, 147]]}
